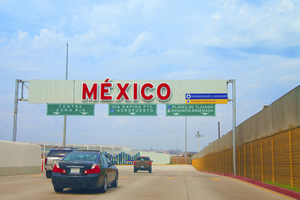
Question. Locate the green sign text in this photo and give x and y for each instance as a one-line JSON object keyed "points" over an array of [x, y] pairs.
{"points": [[71, 109], [132, 110], [180, 110]]}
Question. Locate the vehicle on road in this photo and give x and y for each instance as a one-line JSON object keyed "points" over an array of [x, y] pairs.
{"points": [[87, 169], [54, 156], [142, 163]]}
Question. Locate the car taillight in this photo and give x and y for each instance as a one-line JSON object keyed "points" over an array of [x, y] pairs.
{"points": [[45, 160], [56, 169], [149, 162], [94, 170], [134, 162]]}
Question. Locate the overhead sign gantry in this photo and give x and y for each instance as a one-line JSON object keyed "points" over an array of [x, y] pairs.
{"points": [[135, 92], [110, 91]]}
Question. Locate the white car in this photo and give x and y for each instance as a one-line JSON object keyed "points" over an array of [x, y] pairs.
{"points": [[54, 156]]}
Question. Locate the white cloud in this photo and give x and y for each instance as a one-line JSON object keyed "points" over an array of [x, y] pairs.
{"points": [[143, 6], [31, 53], [289, 78], [179, 75], [138, 39], [243, 25], [23, 36], [286, 5], [138, 42], [216, 16], [48, 38]]}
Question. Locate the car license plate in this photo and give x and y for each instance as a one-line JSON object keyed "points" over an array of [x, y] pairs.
{"points": [[75, 170], [142, 166]]}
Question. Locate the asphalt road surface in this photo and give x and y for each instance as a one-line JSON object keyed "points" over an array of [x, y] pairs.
{"points": [[181, 182]]}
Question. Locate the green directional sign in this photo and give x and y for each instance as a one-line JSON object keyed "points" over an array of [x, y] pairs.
{"points": [[132, 110], [180, 110], [71, 109]]}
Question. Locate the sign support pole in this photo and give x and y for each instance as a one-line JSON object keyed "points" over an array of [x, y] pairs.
{"points": [[185, 140], [16, 111], [234, 125]]}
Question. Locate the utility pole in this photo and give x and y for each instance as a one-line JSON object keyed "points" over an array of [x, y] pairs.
{"points": [[65, 117], [198, 135], [185, 140], [177, 151], [219, 129]]}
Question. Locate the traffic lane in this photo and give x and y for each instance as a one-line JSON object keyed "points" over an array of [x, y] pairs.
{"points": [[37, 186], [141, 185], [184, 182], [155, 185], [165, 182], [220, 187], [23, 186]]}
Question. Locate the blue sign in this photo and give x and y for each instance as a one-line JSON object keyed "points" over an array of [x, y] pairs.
{"points": [[206, 96]]}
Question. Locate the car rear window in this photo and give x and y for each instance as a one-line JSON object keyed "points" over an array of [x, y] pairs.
{"points": [[82, 157], [58, 153], [143, 158]]}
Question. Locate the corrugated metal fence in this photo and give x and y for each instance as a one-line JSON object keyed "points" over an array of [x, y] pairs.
{"points": [[179, 160], [267, 145], [275, 158]]}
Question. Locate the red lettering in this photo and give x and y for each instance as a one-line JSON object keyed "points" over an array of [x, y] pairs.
{"points": [[144, 87], [163, 91], [135, 92], [105, 91], [159, 91], [107, 80], [88, 94], [123, 92]]}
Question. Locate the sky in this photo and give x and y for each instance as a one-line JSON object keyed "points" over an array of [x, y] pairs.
{"points": [[257, 43]]}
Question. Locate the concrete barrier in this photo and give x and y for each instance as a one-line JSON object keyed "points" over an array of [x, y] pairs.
{"points": [[19, 158], [158, 158]]}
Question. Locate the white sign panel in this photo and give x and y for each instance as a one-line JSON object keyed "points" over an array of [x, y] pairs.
{"points": [[120, 91]]}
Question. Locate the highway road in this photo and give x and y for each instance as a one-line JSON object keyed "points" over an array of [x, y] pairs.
{"points": [[181, 182]]}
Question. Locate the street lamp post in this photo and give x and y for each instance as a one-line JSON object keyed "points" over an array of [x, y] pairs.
{"points": [[199, 136], [65, 117]]}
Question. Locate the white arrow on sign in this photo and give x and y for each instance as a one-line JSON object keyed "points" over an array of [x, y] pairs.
{"points": [[176, 114], [84, 113], [132, 113], [205, 113], [56, 113]]}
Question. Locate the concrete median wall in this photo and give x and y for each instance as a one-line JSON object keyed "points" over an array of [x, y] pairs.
{"points": [[19, 158], [158, 158]]}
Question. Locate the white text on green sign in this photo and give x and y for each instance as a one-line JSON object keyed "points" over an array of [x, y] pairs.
{"points": [[132, 110], [190, 110], [71, 109]]}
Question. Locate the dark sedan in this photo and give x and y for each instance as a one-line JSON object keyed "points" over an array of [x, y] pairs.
{"points": [[85, 169]]}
